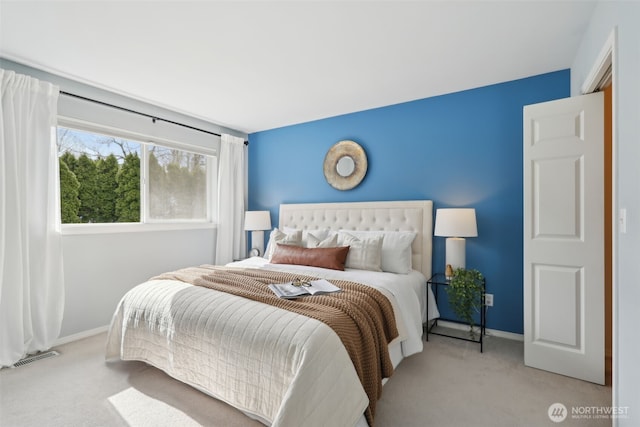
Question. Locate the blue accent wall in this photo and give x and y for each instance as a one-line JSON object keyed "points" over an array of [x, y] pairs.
{"points": [[460, 150]]}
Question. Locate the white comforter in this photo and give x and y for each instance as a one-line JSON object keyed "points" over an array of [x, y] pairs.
{"points": [[279, 367]]}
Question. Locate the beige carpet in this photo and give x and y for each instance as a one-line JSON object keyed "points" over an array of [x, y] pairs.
{"points": [[449, 384]]}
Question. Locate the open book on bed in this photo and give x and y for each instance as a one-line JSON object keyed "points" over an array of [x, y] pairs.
{"points": [[299, 288]]}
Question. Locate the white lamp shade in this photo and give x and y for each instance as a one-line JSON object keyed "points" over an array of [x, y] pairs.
{"points": [[456, 222], [257, 220]]}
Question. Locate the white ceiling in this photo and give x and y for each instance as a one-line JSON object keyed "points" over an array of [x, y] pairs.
{"points": [[259, 65]]}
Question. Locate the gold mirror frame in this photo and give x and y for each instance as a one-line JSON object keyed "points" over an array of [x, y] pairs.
{"points": [[340, 150]]}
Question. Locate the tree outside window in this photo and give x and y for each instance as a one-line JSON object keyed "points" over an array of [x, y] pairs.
{"points": [[100, 180]]}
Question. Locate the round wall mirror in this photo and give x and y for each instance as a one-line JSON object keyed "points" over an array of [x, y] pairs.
{"points": [[345, 165]]}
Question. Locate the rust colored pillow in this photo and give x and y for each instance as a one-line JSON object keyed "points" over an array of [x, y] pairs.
{"points": [[333, 258]]}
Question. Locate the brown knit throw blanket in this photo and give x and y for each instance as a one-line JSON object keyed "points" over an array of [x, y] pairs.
{"points": [[361, 316]]}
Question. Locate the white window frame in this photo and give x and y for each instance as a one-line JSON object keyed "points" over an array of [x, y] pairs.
{"points": [[145, 223]]}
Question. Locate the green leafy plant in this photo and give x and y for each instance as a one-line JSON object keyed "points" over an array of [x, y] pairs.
{"points": [[465, 295]]}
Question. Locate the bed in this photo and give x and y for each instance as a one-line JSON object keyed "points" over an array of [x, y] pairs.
{"points": [[276, 366]]}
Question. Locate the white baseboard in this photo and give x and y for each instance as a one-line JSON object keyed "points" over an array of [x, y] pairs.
{"points": [[505, 334], [489, 332], [80, 335]]}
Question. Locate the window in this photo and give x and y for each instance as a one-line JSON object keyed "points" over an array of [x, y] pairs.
{"points": [[107, 178], [177, 184]]}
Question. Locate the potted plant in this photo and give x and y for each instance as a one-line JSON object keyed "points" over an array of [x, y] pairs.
{"points": [[465, 292]]}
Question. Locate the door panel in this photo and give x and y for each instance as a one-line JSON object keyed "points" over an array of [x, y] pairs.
{"points": [[557, 198], [563, 237], [558, 289]]}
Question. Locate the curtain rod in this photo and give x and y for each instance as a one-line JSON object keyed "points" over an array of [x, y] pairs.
{"points": [[153, 118]]}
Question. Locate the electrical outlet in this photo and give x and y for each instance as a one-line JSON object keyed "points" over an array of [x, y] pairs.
{"points": [[488, 300]]}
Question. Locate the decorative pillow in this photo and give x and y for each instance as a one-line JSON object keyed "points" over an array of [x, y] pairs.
{"points": [[365, 253], [315, 242], [320, 234], [294, 238], [396, 249], [333, 258]]}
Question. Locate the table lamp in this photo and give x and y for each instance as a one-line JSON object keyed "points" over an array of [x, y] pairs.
{"points": [[257, 222], [455, 224]]}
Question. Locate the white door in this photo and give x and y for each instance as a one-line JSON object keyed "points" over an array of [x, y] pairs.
{"points": [[564, 237]]}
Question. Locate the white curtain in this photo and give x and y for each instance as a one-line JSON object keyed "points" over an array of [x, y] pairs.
{"points": [[232, 173], [31, 275]]}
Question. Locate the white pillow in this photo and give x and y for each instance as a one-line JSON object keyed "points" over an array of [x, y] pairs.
{"points": [[277, 236], [320, 234], [396, 249], [316, 242], [365, 253]]}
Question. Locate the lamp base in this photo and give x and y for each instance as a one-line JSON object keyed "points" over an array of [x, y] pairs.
{"points": [[257, 241], [455, 252]]}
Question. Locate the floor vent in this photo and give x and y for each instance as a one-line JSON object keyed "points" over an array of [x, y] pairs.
{"points": [[36, 357]]}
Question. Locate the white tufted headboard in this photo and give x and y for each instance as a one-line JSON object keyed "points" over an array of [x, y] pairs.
{"points": [[412, 215]]}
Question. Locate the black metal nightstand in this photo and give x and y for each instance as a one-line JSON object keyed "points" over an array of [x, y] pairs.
{"points": [[439, 280]]}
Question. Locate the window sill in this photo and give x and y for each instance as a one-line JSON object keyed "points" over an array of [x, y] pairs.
{"points": [[78, 229]]}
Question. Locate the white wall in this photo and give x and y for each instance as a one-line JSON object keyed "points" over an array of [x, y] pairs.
{"points": [[100, 268], [624, 17]]}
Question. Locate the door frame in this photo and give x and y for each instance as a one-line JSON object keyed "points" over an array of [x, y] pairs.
{"points": [[606, 63]]}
